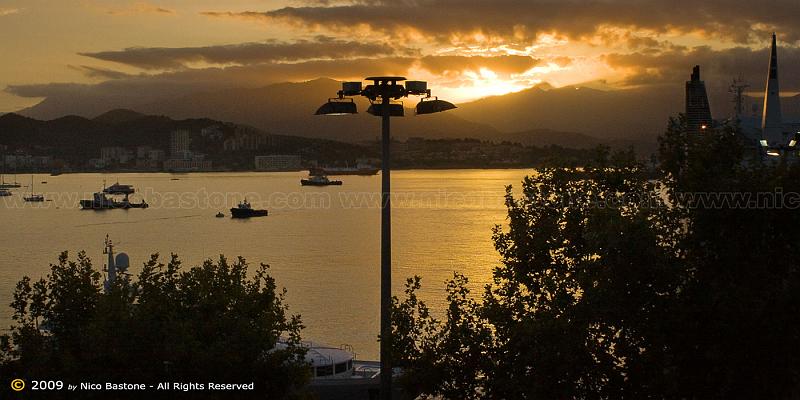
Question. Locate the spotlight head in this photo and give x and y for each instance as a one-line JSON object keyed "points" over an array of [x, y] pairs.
{"points": [[433, 106], [395, 110], [338, 107], [351, 88]]}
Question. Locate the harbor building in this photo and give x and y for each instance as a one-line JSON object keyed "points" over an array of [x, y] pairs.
{"points": [[179, 142], [698, 111]]}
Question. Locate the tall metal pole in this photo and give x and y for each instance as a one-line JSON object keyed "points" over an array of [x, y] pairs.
{"points": [[386, 258]]}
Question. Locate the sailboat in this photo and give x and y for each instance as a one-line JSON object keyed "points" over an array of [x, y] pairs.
{"points": [[4, 185], [33, 197]]}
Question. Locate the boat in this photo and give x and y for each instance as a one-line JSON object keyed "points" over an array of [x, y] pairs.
{"points": [[117, 188], [319, 180], [360, 169], [220, 215], [5, 193], [32, 197], [246, 210], [8, 185], [100, 201]]}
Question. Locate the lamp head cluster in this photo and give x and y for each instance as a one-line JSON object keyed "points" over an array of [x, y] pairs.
{"points": [[392, 88]]}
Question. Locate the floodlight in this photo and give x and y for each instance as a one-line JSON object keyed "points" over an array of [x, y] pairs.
{"points": [[338, 107], [433, 106], [395, 110]]}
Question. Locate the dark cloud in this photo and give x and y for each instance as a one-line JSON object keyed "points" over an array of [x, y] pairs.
{"points": [[444, 20], [97, 72], [718, 67], [321, 47], [188, 81]]}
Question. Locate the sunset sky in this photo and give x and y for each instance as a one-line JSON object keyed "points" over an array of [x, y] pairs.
{"points": [[465, 49]]}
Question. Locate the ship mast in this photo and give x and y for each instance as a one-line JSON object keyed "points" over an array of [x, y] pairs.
{"points": [[737, 89], [111, 269]]}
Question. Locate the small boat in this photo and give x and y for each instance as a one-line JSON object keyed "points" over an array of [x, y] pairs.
{"points": [[245, 210], [4, 193], [220, 215], [8, 185], [102, 202], [319, 180], [32, 197], [117, 188]]}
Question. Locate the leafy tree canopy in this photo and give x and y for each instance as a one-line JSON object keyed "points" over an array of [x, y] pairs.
{"points": [[209, 323], [613, 284]]}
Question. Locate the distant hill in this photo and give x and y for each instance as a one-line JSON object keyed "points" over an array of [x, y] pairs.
{"points": [[288, 108], [567, 116], [547, 137], [76, 136], [118, 116], [636, 114]]}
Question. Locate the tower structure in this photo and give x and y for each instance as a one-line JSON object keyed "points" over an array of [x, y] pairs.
{"points": [[698, 111], [771, 120]]}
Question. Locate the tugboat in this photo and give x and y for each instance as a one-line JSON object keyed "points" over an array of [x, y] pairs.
{"points": [[319, 180], [101, 202], [245, 210]]}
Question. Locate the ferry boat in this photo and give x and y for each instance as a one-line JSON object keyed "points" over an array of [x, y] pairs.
{"points": [[100, 201], [319, 180], [245, 210]]}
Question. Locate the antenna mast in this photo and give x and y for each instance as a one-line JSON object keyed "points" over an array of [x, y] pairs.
{"points": [[737, 88]]}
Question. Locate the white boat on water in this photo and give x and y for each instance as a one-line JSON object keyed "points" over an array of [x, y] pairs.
{"points": [[332, 365]]}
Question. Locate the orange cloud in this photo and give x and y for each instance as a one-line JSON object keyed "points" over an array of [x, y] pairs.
{"points": [[136, 8], [513, 20]]}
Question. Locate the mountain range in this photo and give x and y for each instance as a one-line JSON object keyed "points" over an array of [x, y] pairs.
{"points": [[574, 116]]}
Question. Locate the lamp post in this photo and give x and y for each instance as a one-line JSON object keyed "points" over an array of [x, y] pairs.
{"points": [[381, 93]]}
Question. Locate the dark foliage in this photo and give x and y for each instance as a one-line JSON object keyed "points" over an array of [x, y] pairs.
{"points": [[209, 323], [615, 285]]}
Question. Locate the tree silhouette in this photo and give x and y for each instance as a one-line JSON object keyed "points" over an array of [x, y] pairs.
{"points": [[209, 323], [616, 285]]}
